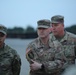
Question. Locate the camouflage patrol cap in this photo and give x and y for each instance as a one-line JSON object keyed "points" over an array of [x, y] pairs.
{"points": [[57, 19], [3, 29], [45, 23]]}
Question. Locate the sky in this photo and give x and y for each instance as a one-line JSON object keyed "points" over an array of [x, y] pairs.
{"points": [[24, 13]]}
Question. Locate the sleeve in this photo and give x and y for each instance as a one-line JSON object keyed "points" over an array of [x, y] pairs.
{"points": [[16, 64], [30, 53], [75, 49], [74, 39], [56, 65]]}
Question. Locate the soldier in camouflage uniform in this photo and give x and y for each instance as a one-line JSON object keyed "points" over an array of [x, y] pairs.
{"points": [[10, 62], [63, 40], [43, 58]]}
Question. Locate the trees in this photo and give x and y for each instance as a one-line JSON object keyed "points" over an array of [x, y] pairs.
{"points": [[30, 32], [71, 29], [19, 32]]}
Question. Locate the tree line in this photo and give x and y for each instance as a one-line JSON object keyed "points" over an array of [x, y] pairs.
{"points": [[30, 32], [19, 32]]}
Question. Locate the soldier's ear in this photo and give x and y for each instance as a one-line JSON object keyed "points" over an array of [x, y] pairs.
{"points": [[5, 36], [49, 29]]}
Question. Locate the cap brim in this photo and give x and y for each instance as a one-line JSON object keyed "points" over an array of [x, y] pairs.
{"points": [[43, 27], [3, 32], [54, 22]]}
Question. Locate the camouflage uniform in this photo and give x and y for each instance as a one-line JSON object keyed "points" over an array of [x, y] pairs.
{"points": [[51, 59], [10, 62], [55, 56], [48, 56], [68, 46]]}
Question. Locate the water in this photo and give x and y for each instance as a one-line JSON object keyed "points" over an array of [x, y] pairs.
{"points": [[20, 46], [71, 70]]}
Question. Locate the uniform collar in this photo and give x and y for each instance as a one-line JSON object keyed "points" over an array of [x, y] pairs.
{"points": [[2, 48], [40, 44], [63, 39]]}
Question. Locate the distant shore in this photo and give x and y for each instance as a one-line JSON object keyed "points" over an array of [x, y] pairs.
{"points": [[22, 36]]}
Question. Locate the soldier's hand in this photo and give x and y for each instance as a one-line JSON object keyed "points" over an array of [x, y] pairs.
{"points": [[35, 65]]}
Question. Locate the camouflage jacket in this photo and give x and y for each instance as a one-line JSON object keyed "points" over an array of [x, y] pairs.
{"points": [[10, 62], [48, 56], [68, 46]]}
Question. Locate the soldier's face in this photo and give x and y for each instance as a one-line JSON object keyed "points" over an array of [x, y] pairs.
{"points": [[43, 32], [57, 28], [2, 38]]}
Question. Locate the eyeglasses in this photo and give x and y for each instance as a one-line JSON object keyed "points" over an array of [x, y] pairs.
{"points": [[1, 34]]}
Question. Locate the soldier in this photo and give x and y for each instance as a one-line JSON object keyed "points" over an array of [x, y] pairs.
{"points": [[63, 40], [10, 62], [43, 58]]}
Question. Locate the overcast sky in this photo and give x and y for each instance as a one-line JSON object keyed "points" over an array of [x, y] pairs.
{"points": [[22, 13]]}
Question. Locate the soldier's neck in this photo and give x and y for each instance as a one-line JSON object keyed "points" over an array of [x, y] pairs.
{"points": [[45, 40], [60, 36]]}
